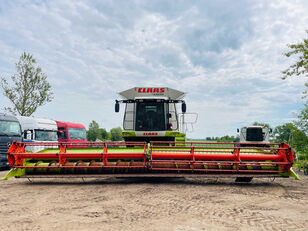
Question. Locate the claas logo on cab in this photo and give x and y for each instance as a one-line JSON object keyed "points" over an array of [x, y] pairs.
{"points": [[151, 90]]}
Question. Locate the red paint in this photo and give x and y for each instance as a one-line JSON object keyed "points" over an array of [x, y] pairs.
{"points": [[64, 126], [151, 90], [150, 134], [214, 156]]}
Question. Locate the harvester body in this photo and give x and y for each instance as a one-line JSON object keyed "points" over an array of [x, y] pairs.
{"points": [[151, 114], [10, 130]]}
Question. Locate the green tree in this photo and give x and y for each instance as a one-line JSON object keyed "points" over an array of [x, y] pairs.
{"points": [[116, 134], [261, 124], [94, 131], [300, 67], [300, 143], [302, 121], [297, 138], [30, 88], [283, 133], [103, 133]]}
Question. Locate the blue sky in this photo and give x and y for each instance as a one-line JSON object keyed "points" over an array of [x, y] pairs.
{"points": [[226, 55]]}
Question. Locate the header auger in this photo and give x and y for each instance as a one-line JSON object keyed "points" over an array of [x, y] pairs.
{"points": [[156, 159]]}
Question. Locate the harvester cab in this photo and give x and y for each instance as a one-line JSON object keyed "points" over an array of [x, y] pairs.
{"points": [[151, 114], [255, 134]]}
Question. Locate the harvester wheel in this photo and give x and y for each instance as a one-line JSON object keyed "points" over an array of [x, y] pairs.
{"points": [[243, 179]]}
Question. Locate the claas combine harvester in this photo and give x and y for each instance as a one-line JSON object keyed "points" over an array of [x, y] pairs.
{"points": [[154, 146]]}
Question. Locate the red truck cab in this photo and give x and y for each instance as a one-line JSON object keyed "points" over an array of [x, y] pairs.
{"points": [[71, 132]]}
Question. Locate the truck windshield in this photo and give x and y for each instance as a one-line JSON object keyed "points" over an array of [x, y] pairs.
{"points": [[150, 116], [254, 134], [77, 133], [10, 128], [43, 135]]}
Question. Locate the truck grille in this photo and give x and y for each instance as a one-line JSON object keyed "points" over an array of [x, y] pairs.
{"points": [[3, 154]]}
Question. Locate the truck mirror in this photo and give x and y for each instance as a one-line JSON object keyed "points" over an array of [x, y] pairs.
{"points": [[28, 135], [117, 107], [61, 134], [183, 107]]}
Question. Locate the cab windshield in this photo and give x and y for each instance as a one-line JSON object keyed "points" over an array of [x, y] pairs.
{"points": [[43, 135], [77, 133], [10, 128], [150, 116], [254, 134]]}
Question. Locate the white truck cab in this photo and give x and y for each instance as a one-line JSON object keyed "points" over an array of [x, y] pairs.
{"points": [[254, 134], [38, 130]]}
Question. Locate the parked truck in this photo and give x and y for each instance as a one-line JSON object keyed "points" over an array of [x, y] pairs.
{"points": [[38, 130], [71, 132], [10, 131]]}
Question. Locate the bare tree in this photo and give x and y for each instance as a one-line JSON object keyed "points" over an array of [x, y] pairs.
{"points": [[29, 89]]}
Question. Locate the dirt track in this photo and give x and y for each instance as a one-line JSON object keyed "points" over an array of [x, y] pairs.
{"points": [[138, 204]]}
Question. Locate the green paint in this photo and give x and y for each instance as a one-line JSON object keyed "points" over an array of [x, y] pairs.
{"points": [[168, 134], [96, 150], [290, 173], [128, 134], [175, 134], [249, 167], [15, 172]]}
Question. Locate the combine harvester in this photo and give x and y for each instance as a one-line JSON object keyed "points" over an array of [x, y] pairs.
{"points": [[153, 147]]}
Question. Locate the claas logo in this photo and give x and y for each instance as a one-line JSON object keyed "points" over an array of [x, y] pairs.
{"points": [[151, 90], [150, 133]]}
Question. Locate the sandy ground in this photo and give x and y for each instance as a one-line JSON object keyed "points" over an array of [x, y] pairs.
{"points": [[144, 204]]}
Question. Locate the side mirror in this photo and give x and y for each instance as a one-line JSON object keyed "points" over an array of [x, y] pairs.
{"points": [[169, 115], [117, 107], [61, 134], [271, 130], [183, 107], [238, 130], [28, 135]]}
